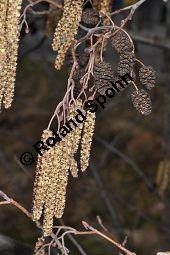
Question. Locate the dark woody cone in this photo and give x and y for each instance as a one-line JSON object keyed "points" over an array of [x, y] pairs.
{"points": [[127, 61], [147, 77], [120, 41], [103, 75], [141, 101], [90, 17]]}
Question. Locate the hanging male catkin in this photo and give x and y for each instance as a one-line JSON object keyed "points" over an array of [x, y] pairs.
{"points": [[75, 137], [88, 131], [3, 47], [67, 29], [62, 178], [52, 188], [43, 168], [12, 39]]}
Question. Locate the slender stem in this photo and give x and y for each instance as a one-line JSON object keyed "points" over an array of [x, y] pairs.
{"points": [[13, 202], [133, 7]]}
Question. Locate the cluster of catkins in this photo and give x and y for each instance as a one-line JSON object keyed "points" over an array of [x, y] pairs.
{"points": [[54, 165], [9, 37], [104, 73]]}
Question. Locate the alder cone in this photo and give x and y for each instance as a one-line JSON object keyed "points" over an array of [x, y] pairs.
{"points": [[121, 41], [147, 77], [90, 17], [77, 75], [127, 61], [103, 70], [103, 75], [141, 101]]}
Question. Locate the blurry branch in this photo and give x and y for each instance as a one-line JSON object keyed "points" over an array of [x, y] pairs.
{"points": [[13, 202], [158, 42], [140, 173], [33, 3], [132, 9], [105, 197], [29, 8], [10, 201], [59, 240], [73, 240], [46, 12], [35, 47], [90, 231]]}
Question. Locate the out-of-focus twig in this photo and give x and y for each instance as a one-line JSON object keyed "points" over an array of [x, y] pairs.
{"points": [[127, 159], [158, 42]]}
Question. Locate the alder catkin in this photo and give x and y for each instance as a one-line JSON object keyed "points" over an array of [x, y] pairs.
{"points": [[53, 186], [63, 159], [43, 168], [3, 47], [87, 137], [12, 37], [75, 137], [67, 29], [62, 176]]}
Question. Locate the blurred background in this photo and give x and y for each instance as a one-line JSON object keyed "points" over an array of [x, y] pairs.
{"points": [[127, 183]]}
